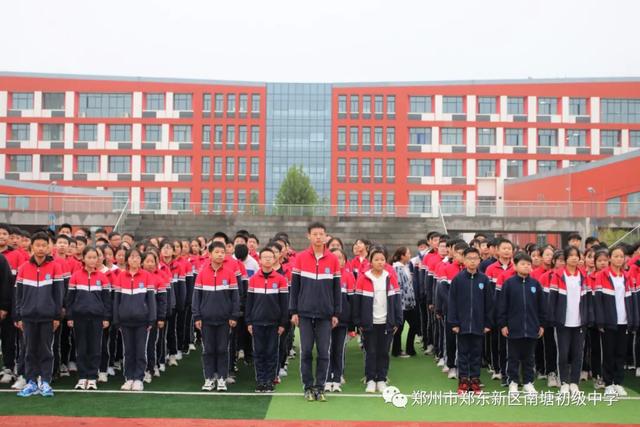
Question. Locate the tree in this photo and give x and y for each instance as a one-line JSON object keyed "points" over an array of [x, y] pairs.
{"points": [[296, 189]]}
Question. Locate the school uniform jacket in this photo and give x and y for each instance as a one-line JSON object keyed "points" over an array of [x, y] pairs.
{"points": [[267, 299], [432, 260], [606, 315], [6, 284], [347, 291], [39, 291], [448, 272], [363, 303], [470, 303], [88, 296], [521, 307], [134, 301], [161, 285], [315, 286], [558, 300], [215, 296], [178, 283]]}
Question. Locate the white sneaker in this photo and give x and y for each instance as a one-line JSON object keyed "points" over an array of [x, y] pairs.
{"points": [[574, 389], [453, 373], [156, 372], [230, 380], [337, 388], [179, 355], [552, 380], [240, 354], [638, 372], [111, 371], [621, 391], [127, 386], [162, 367], [342, 380], [328, 387], [148, 377], [371, 387], [282, 372], [598, 383], [381, 386], [192, 347], [6, 377], [103, 377], [91, 385], [73, 367], [440, 363], [173, 360], [513, 387], [208, 385], [584, 375], [496, 376], [19, 384], [222, 386], [117, 365], [445, 369], [564, 389], [137, 386], [64, 371], [81, 385], [610, 390], [528, 388], [429, 350], [292, 353]]}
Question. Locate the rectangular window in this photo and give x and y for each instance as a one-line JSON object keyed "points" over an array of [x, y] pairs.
{"points": [[255, 103], [377, 137], [366, 104], [219, 133], [353, 202], [486, 168], [342, 167], [104, 104], [219, 103], [52, 132], [51, 164], [633, 204], [391, 139], [242, 200], [379, 104], [120, 133], [452, 204], [22, 101], [578, 106], [546, 165], [515, 168], [452, 136], [206, 102], [609, 138], [547, 106], [419, 167], [486, 105], [151, 200], [182, 102], [154, 101], [217, 200], [342, 136], [391, 169], [366, 138], [181, 164], [452, 168], [486, 136], [20, 132], [231, 167], [206, 166], [255, 166], [419, 203], [255, 135], [120, 198], [243, 103], [486, 205], [242, 135], [634, 138], [420, 104], [342, 203], [514, 137], [342, 104], [87, 132], [620, 110], [217, 166], [231, 103], [576, 138], [119, 164], [231, 135], [377, 168], [377, 202], [180, 200], [152, 133], [452, 105], [391, 104], [53, 101], [20, 163], [366, 202], [547, 138], [355, 104], [366, 168], [353, 137], [242, 168], [88, 164], [391, 202], [515, 105], [229, 196], [420, 136], [614, 206], [206, 134], [353, 168]]}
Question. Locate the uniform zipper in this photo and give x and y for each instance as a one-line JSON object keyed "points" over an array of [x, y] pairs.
{"points": [[471, 305], [524, 301]]}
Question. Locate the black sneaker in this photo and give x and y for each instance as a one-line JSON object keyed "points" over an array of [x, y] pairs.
{"points": [[269, 388], [259, 388], [309, 395]]}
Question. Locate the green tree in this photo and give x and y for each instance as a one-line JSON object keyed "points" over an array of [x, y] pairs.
{"points": [[296, 189]]}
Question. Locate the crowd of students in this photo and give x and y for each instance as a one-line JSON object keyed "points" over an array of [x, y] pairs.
{"points": [[97, 303]]}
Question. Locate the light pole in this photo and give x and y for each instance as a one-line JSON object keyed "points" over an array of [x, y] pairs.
{"points": [[592, 194], [52, 218]]}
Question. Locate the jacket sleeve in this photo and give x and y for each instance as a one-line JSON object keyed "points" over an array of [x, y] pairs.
{"points": [[235, 304], [502, 302], [542, 307], [5, 284], [356, 306], [116, 303], [151, 304], [295, 287], [161, 300], [19, 289], [107, 298], [197, 295], [397, 304], [181, 290], [598, 306], [283, 299], [58, 290], [249, 305], [337, 291], [552, 301], [452, 309], [489, 305], [71, 296]]}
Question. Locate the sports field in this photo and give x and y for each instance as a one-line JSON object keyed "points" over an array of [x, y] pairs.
{"points": [[177, 395]]}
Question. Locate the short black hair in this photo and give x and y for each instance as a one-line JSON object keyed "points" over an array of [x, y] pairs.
{"points": [[131, 252], [81, 239], [5, 227], [65, 225], [40, 235], [471, 250], [221, 235], [254, 237], [241, 236], [243, 233], [501, 240], [573, 236], [568, 250], [101, 230], [591, 240], [214, 245], [460, 246], [63, 237], [129, 234], [315, 225], [432, 235], [87, 232], [273, 244], [422, 242], [266, 249], [113, 233], [522, 256], [241, 252]]}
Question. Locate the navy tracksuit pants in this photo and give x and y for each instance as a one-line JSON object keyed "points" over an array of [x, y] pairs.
{"points": [[38, 358], [134, 343], [521, 351], [88, 337], [336, 361], [265, 352], [469, 357], [215, 353], [314, 332]]}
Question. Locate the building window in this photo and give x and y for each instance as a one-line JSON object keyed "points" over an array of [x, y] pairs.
{"points": [[217, 166], [242, 200], [452, 168], [620, 110], [255, 166], [206, 102], [119, 164], [231, 103], [633, 204], [20, 163], [419, 203], [420, 104], [546, 165], [231, 167], [515, 168], [342, 104], [452, 105], [154, 102], [151, 200], [486, 168], [342, 203], [229, 201], [391, 202], [120, 133], [609, 138], [377, 137], [578, 106], [182, 133], [51, 132], [515, 105], [452, 136], [486, 136], [153, 164], [342, 167], [576, 138], [391, 139], [217, 200], [420, 136], [206, 166], [255, 135], [120, 199], [486, 205], [342, 136], [255, 103], [366, 104], [514, 137], [22, 101], [355, 104], [206, 134], [366, 138], [353, 168], [182, 102], [366, 202], [379, 104], [180, 200], [353, 202], [452, 204], [231, 135], [243, 103], [87, 132], [377, 202], [391, 104], [152, 133], [614, 206], [486, 105], [391, 169], [181, 164], [22, 202], [219, 134], [377, 168], [242, 168], [88, 164], [547, 138], [219, 103], [53, 101], [634, 138], [105, 105], [547, 106], [419, 168], [20, 132], [242, 135], [51, 164], [366, 168], [353, 137]]}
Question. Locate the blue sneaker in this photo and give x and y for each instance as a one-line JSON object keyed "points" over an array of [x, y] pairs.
{"points": [[46, 390], [29, 390]]}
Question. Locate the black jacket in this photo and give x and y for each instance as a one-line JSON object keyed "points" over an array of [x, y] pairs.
{"points": [[470, 303], [521, 307]]}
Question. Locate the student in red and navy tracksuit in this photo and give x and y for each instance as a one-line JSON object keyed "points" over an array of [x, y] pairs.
{"points": [[169, 258], [315, 303], [570, 312], [39, 298], [339, 333], [8, 332], [134, 311], [469, 316], [89, 311], [266, 314], [377, 311], [616, 316], [216, 307], [161, 283]]}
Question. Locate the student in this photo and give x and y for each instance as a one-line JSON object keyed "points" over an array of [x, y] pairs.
{"points": [[377, 311], [160, 284], [39, 297], [490, 256], [105, 369], [469, 315], [616, 317], [315, 304], [359, 264], [401, 260], [8, 332], [570, 313], [286, 339], [521, 314], [600, 262], [134, 312], [169, 258], [267, 312], [575, 240], [339, 333], [216, 307], [89, 312], [433, 260]]}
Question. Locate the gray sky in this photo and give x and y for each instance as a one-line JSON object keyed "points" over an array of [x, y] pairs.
{"points": [[323, 41]]}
